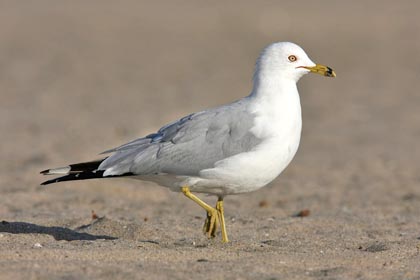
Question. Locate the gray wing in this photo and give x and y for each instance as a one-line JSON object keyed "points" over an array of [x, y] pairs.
{"points": [[188, 145]]}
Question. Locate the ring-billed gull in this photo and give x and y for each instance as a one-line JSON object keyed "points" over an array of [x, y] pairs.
{"points": [[232, 149]]}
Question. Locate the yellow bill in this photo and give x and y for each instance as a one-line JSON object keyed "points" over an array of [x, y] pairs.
{"points": [[321, 69]]}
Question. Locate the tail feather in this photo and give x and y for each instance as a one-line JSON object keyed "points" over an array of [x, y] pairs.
{"points": [[75, 176], [78, 171], [57, 171]]}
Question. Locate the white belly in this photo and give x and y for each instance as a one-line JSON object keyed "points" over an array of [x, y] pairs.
{"points": [[238, 174], [244, 172], [252, 170]]}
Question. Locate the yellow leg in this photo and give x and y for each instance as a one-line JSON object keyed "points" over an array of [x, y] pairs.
{"points": [[210, 225], [219, 208]]}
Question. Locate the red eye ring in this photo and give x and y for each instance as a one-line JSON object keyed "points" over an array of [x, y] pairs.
{"points": [[292, 58]]}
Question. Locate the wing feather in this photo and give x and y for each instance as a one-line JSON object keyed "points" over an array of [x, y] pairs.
{"points": [[186, 146]]}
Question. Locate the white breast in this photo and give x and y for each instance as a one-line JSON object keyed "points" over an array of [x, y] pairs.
{"points": [[278, 122]]}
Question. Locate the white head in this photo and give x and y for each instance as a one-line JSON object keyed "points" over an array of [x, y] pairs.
{"points": [[285, 60]]}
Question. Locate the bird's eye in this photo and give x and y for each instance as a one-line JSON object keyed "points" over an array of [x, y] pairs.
{"points": [[292, 58]]}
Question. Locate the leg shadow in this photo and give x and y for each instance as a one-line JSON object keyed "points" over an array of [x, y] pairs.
{"points": [[59, 233]]}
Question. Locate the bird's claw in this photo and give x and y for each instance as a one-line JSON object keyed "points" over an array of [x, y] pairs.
{"points": [[211, 223]]}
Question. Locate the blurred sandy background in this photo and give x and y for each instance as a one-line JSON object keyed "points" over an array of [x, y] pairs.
{"points": [[80, 77]]}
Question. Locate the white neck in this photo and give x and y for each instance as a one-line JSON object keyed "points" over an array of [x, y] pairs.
{"points": [[274, 91], [275, 101]]}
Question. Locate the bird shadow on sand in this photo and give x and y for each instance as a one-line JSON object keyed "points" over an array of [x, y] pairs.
{"points": [[59, 233]]}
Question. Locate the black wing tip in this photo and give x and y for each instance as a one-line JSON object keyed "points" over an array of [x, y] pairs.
{"points": [[82, 167], [50, 182], [84, 176]]}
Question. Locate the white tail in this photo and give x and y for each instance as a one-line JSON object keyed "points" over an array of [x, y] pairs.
{"points": [[57, 171]]}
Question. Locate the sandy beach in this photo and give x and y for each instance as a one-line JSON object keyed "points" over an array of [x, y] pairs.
{"points": [[79, 78]]}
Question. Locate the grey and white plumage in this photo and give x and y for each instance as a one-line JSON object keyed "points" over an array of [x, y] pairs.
{"points": [[235, 148], [189, 145]]}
